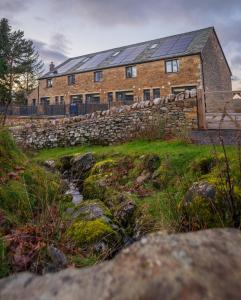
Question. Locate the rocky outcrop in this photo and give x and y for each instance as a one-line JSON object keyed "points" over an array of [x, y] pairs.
{"points": [[193, 266]]}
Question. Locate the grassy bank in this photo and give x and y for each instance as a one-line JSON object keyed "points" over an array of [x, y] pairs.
{"points": [[182, 164], [179, 151], [140, 186]]}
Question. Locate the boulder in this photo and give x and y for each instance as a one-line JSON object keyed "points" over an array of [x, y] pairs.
{"points": [[145, 175], [65, 163], [91, 210], [200, 189], [82, 164], [58, 259], [50, 165], [152, 162], [125, 211], [191, 266], [202, 207]]}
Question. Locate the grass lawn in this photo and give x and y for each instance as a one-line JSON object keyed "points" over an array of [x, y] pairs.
{"points": [[179, 152]]}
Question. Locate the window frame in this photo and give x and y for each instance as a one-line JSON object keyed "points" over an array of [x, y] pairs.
{"points": [[78, 98], [71, 79], [132, 74], [144, 94], [182, 88], [100, 78], [92, 98], [49, 82], [153, 92], [172, 66], [61, 100]]}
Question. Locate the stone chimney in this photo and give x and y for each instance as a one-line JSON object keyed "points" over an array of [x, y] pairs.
{"points": [[51, 67]]}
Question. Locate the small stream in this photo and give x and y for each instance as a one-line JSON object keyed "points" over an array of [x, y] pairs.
{"points": [[77, 197]]}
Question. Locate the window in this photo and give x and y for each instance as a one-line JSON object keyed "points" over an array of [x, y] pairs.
{"points": [[125, 96], [49, 83], [172, 66], [45, 100], [93, 98], [146, 95], [98, 76], [131, 72], [71, 79], [180, 89], [76, 98], [153, 46], [33, 102], [56, 100], [156, 93], [61, 100], [116, 53]]}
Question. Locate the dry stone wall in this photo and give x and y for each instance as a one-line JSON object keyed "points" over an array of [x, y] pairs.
{"points": [[112, 126]]}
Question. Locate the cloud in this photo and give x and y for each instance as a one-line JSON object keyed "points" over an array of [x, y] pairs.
{"points": [[56, 51], [13, 6], [48, 54], [236, 61], [60, 41], [134, 12]]}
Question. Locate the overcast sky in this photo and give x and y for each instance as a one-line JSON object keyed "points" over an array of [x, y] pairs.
{"points": [[65, 28]]}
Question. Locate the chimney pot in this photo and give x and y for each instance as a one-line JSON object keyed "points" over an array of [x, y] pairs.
{"points": [[51, 67]]}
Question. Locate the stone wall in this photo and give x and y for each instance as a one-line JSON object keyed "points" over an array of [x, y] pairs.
{"points": [[114, 125], [217, 77]]}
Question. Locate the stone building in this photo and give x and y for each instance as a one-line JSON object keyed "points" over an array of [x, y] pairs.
{"points": [[141, 71]]}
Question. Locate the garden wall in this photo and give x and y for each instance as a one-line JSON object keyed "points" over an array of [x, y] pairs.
{"points": [[168, 114]]}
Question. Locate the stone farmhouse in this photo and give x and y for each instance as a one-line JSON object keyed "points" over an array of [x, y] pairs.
{"points": [[143, 71]]}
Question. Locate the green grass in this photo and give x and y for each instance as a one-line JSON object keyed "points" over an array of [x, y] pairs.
{"points": [[179, 152]]}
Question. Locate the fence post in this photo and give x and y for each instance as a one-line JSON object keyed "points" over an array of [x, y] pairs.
{"points": [[201, 114]]}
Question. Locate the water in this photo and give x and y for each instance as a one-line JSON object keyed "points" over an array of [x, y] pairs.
{"points": [[77, 198]]}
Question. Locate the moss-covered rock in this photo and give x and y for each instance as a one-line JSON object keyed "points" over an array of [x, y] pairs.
{"points": [[152, 162], [88, 232], [64, 163], [103, 166], [94, 187], [91, 210], [210, 204], [81, 165], [204, 165]]}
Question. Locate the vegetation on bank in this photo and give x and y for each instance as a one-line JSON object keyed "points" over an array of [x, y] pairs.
{"points": [[131, 189]]}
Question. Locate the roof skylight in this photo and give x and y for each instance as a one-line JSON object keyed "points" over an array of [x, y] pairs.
{"points": [[85, 60], [116, 53], [153, 46]]}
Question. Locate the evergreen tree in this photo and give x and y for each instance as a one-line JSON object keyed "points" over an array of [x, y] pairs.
{"points": [[19, 63]]}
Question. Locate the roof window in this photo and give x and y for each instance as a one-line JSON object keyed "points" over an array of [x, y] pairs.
{"points": [[85, 60], [153, 46], [116, 53]]}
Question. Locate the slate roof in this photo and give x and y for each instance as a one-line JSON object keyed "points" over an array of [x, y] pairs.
{"points": [[173, 46]]}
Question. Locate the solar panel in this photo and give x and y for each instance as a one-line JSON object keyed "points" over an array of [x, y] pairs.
{"points": [[133, 55], [165, 47], [70, 64], [119, 58], [95, 60], [129, 54], [181, 44]]}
